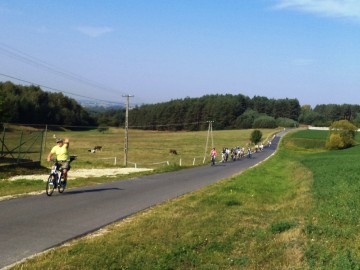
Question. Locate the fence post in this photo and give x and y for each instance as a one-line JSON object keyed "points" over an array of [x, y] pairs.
{"points": [[43, 143], [180, 162], [42, 147], [194, 162], [19, 152], [3, 141], [115, 161]]}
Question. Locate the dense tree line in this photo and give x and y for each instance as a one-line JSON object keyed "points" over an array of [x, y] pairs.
{"points": [[326, 114], [109, 116], [31, 105], [227, 112]]}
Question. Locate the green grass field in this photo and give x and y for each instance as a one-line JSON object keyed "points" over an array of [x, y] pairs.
{"points": [[150, 148], [298, 210], [146, 149]]}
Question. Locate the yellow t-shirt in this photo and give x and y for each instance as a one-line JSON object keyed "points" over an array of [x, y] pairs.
{"points": [[60, 152]]}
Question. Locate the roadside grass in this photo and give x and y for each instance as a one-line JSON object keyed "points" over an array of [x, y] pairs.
{"points": [[149, 149]]}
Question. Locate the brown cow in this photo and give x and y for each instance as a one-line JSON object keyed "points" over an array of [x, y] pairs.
{"points": [[173, 151], [98, 147]]}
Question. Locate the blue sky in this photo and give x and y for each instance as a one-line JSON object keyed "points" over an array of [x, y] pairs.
{"points": [[162, 50]]}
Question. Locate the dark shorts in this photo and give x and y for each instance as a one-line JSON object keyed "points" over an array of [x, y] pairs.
{"points": [[64, 164]]}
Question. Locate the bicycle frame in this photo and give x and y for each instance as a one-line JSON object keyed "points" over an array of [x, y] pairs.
{"points": [[56, 170]]}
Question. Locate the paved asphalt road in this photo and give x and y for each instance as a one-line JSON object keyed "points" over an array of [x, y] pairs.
{"points": [[32, 224]]}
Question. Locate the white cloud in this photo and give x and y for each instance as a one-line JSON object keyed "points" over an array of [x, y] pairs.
{"points": [[94, 31], [331, 8]]}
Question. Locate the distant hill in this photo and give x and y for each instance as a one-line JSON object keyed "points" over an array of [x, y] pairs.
{"points": [[31, 105], [100, 105]]}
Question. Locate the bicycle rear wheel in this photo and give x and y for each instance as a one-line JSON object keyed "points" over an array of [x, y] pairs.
{"points": [[50, 185]]}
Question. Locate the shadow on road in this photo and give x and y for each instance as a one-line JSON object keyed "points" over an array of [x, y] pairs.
{"points": [[72, 192]]}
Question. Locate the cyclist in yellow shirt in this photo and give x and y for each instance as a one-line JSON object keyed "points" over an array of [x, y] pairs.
{"points": [[60, 150]]}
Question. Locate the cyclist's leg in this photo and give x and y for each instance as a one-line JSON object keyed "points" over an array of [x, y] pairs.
{"points": [[64, 174], [65, 169]]}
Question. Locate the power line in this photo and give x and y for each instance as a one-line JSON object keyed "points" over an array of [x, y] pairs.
{"points": [[38, 63], [58, 90]]}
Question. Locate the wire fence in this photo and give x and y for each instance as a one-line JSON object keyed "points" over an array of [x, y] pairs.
{"points": [[18, 146]]}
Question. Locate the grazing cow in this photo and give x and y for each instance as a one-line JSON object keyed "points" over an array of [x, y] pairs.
{"points": [[92, 150], [173, 151], [98, 147]]}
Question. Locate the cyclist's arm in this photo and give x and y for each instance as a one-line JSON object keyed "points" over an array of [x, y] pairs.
{"points": [[51, 153], [49, 156], [67, 142]]}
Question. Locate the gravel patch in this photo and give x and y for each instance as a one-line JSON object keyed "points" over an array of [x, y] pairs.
{"points": [[84, 173]]}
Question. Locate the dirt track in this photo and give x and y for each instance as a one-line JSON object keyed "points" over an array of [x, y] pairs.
{"points": [[79, 173]]}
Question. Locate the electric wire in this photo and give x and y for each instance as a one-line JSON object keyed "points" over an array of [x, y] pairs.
{"points": [[62, 91], [38, 63]]}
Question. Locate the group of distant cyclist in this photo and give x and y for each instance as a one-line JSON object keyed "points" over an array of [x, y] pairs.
{"points": [[236, 153]]}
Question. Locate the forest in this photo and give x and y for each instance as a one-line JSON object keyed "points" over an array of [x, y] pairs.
{"points": [[32, 106]]}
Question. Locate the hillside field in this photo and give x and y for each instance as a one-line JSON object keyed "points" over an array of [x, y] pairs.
{"points": [[149, 148]]}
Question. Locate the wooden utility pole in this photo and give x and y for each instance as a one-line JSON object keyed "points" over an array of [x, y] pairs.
{"points": [[207, 139], [126, 129]]}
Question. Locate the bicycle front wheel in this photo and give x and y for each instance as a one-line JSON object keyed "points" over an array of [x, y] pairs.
{"points": [[50, 185], [62, 185]]}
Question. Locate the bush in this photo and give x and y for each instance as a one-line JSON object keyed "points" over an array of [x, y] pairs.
{"points": [[246, 120], [256, 136], [342, 135], [334, 142], [265, 122], [286, 122]]}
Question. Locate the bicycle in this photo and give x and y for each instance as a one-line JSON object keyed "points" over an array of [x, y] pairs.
{"points": [[212, 160], [56, 179]]}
